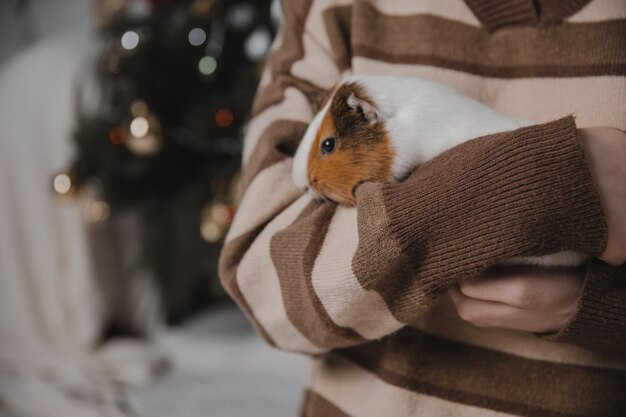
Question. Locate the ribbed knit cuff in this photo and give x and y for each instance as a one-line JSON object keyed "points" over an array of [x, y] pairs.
{"points": [[534, 181], [600, 319], [498, 14]]}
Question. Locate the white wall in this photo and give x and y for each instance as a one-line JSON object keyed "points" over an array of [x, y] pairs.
{"points": [[26, 21]]}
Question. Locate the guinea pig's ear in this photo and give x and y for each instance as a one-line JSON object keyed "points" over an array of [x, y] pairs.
{"points": [[363, 107]]}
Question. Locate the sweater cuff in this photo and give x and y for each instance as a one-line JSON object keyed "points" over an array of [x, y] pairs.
{"points": [[600, 319], [496, 16], [527, 191]]}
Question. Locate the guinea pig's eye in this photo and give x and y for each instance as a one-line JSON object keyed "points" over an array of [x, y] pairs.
{"points": [[328, 145]]}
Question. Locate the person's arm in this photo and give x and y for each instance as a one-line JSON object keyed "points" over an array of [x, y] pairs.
{"points": [[599, 322], [583, 306], [313, 276]]}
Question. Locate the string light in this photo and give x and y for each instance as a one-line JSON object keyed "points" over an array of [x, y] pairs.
{"points": [[130, 40], [96, 211], [117, 135], [196, 36], [210, 232], [258, 43], [139, 108], [147, 145], [224, 117], [207, 65], [221, 213], [215, 220], [62, 184], [139, 127], [241, 16]]}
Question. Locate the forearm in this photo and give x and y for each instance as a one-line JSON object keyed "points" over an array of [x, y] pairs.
{"points": [[522, 193]]}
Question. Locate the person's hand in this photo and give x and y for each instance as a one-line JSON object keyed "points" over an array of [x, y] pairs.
{"points": [[532, 299], [605, 149]]}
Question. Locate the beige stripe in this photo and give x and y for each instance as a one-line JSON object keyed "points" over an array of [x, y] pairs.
{"points": [[269, 192], [266, 79], [295, 106], [538, 99], [361, 394], [599, 10], [343, 298], [315, 22], [450, 9], [260, 287], [317, 63], [444, 322], [317, 66], [293, 251]]}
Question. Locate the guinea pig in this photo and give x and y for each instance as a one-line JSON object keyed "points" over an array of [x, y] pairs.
{"points": [[379, 128]]}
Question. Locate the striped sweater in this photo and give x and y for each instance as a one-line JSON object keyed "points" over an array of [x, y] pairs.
{"points": [[362, 290]]}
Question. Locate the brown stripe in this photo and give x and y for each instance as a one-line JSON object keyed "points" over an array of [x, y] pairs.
{"points": [[270, 95], [274, 93], [553, 11], [294, 251], [338, 21], [279, 140], [379, 263], [497, 14], [565, 50], [484, 378], [315, 405], [230, 257], [290, 51]]}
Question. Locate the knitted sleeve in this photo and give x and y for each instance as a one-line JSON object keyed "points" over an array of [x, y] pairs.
{"points": [[313, 276], [600, 320]]}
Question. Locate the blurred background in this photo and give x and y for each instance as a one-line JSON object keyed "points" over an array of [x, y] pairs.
{"points": [[120, 137]]}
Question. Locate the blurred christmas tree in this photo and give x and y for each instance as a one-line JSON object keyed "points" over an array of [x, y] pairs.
{"points": [[159, 131]]}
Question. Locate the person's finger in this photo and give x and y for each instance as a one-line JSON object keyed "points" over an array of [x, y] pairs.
{"points": [[526, 287], [498, 315], [484, 313]]}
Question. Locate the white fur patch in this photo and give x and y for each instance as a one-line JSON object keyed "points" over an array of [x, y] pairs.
{"points": [[301, 158]]}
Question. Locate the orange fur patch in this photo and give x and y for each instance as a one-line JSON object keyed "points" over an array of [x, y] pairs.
{"points": [[354, 161]]}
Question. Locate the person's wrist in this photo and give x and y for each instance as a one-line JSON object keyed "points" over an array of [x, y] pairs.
{"points": [[605, 151]]}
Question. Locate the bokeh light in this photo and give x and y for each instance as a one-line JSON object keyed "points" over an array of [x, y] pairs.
{"points": [[258, 43], [62, 183], [196, 36], [207, 65], [117, 135], [96, 211], [147, 145], [130, 40], [139, 127], [241, 16], [211, 232], [139, 108], [224, 117]]}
